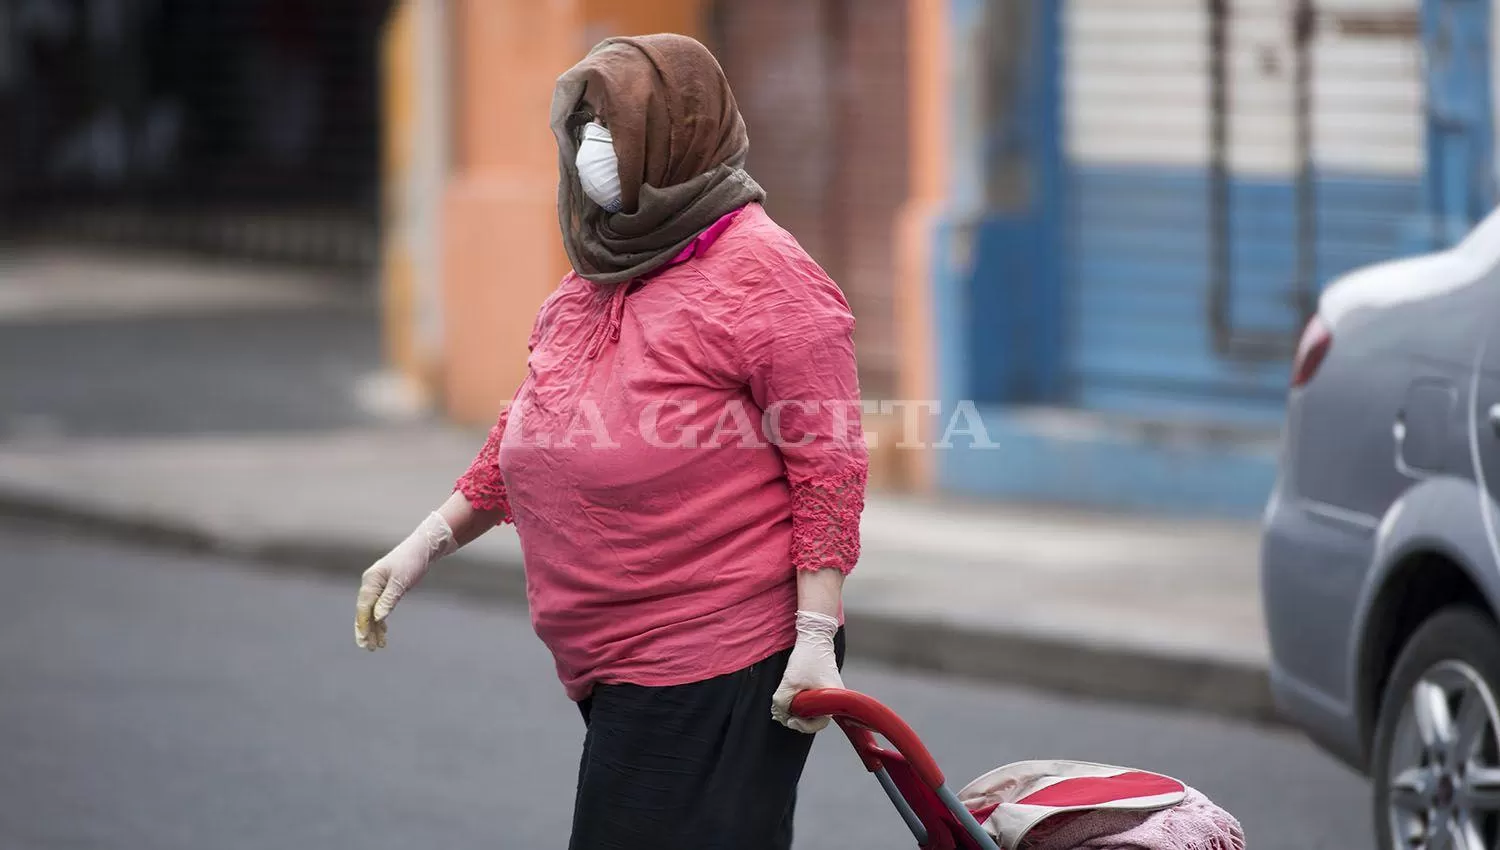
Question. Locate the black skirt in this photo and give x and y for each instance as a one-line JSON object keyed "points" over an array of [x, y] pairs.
{"points": [[690, 766]]}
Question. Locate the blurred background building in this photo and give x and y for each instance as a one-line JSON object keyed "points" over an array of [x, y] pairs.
{"points": [[249, 127], [1102, 221], [1145, 199]]}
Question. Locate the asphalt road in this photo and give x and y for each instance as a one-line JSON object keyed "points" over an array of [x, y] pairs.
{"points": [[153, 701]]}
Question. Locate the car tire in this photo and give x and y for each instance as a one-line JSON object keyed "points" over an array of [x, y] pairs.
{"points": [[1455, 658]]}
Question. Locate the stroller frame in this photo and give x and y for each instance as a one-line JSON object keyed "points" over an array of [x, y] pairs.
{"points": [[907, 772]]}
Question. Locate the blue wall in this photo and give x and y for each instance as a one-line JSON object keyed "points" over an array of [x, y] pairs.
{"points": [[1138, 271], [1132, 272], [1079, 324]]}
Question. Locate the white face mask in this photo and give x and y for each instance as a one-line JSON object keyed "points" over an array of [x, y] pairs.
{"points": [[598, 169]]}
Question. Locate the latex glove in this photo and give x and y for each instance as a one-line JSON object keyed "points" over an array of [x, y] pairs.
{"points": [[382, 585], [813, 665]]}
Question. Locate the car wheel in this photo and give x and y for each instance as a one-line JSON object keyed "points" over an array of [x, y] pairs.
{"points": [[1437, 743]]}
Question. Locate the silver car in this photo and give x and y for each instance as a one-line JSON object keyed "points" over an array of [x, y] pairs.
{"points": [[1381, 554]]}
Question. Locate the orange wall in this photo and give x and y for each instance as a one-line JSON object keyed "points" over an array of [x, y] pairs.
{"points": [[501, 252], [604, 18], [928, 175]]}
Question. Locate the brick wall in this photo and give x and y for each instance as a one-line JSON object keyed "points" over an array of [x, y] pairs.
{"points": [[822, 85]]}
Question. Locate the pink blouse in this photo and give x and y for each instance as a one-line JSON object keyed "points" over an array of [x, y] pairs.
{"points": [[680, 447]]}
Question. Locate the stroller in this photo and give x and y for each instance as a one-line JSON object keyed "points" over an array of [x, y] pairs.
{"points": [[1036, 805]]}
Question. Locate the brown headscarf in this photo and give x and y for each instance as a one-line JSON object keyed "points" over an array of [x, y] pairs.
{"points": [[680, 141]]}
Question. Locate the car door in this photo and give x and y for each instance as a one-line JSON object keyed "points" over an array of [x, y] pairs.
{"points": [[1485, 412]]}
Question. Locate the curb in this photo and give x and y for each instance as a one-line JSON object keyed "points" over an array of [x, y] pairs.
{"points": [[1220, 687]]}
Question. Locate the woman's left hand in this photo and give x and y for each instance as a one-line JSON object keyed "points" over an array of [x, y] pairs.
{"points": [[813, 665]]}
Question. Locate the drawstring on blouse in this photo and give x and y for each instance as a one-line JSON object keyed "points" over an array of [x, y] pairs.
{"points": [[608, 328], [609, 324]]}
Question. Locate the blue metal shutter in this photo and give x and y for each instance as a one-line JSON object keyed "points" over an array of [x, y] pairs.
{"points": [[1220, 170]]}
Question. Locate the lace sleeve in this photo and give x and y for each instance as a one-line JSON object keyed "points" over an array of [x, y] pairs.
{"points": [[825, 520], [482, 484], [796, 339]]}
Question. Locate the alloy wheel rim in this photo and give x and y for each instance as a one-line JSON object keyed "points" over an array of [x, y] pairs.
{"points": [[1443, 776]]}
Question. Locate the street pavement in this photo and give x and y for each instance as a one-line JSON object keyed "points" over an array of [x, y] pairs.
{"points": [[151, 699]]}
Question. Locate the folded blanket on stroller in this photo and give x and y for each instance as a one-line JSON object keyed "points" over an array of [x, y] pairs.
{"points": [[1194, 824], [1072, 805]]}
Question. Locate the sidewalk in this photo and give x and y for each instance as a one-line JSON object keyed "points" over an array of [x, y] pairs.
{"points": [[237, 428], [1102, 606]]}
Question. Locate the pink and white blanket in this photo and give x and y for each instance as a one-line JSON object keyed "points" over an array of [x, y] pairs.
{"points": [[1072, 805]]}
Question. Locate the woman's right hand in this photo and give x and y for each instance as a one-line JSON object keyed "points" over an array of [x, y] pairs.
{"points": [[383, 584]]}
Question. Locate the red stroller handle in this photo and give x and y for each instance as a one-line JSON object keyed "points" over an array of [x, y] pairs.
{"points": [[907, 772], [859, 715]]}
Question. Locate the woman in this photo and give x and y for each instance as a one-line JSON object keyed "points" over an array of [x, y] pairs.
{"points": [[683, 463]]}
